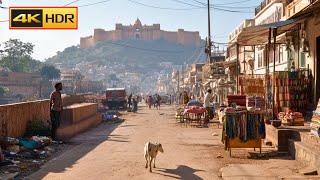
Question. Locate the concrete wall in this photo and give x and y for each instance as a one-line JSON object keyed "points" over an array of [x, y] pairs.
{"points": [[14, 117], [271, 14]]}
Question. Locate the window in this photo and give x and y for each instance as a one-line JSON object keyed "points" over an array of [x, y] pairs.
{"points": [[303, 59], [259, 59], [280, 54]]}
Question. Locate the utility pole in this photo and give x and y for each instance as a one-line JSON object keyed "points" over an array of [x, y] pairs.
{"points": [[209, 34], [178, 88]]}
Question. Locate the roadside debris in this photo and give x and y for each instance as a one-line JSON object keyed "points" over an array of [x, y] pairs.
{"points": [[111, 116], [20, 156]]}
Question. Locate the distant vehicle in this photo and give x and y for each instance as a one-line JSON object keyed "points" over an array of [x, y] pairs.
{"points": [[116, 98]]}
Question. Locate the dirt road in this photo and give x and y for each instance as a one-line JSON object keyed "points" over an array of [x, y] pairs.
{"points": [[116, 151]]}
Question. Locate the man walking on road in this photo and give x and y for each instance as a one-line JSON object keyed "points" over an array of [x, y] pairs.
{"points": [[55, 109], [130, 100], [207, 100]]}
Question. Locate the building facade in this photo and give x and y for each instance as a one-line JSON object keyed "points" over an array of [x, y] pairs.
{"points": [[143, 32]]}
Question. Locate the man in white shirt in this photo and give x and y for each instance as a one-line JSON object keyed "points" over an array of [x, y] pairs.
{"points": [[207, 98], [206, 104]]}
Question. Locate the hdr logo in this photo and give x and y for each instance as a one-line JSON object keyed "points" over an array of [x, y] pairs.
{"points": [[43, 18]]}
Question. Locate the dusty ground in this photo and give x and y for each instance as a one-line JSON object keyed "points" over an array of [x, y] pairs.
{"points": [[115, 151]]}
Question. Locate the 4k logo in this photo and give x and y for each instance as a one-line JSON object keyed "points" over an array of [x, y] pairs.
{"points": [[43, 18], [26, 18]]}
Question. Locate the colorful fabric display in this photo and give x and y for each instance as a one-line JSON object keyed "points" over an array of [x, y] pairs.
{"points": [[244, 125], [256, 102]]}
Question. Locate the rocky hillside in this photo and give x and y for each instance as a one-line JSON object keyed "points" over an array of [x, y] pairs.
{"points": [[138, 53]]}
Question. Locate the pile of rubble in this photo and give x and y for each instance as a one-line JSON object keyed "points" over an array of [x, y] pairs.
{"points": [[20, 156]]}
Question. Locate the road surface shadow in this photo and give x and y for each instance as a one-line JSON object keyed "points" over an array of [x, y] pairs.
{"points": [[86, 141], [181, 172], [128, 125]]}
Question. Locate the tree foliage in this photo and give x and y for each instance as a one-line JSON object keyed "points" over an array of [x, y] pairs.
{"points": [[15, 48], [16, 55], [3, 91], [50, 72]]}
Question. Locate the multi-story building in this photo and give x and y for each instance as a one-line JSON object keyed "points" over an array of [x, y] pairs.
{"points": [[285, 37], [271, 11], [23, 84]]}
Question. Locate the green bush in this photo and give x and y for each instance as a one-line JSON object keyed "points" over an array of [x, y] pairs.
{"points": [[37, 128]]}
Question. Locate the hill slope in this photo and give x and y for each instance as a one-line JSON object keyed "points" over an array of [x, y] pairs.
{"points": [[141, 54]]}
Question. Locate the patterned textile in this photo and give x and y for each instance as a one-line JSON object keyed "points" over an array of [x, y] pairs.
{"points": [[246, 126]]}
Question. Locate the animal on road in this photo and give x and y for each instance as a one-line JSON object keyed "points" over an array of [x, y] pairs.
{"points": [[150, 153]]}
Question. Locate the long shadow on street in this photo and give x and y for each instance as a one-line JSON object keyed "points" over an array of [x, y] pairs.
{"points": [[181, 172], [86, 142]]}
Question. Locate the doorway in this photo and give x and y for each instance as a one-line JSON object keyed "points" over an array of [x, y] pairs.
{"points": [[318, 69]]}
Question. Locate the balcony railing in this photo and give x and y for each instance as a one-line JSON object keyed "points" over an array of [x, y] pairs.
{"points": [[262, 5]]}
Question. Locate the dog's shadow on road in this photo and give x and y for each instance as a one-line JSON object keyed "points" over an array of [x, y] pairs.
{"points": [[181, 172]]}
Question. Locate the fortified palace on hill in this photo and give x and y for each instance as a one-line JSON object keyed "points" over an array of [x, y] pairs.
{"points": [[144, 32]]}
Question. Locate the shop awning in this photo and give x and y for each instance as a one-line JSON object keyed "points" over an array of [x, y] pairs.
{"points": [[258, 35], [230, 63]]}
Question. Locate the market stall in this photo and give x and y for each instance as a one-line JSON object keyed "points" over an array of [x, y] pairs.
{"points": [[243, 129], [292, 91], [194, 113]]}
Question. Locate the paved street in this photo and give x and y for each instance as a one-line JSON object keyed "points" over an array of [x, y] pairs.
{"points": [[116, 151]]}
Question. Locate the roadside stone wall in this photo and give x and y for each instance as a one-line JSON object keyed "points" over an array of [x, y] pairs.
{"points": [[14, 117]]}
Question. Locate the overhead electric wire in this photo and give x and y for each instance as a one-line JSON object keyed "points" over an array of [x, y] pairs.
{"points": [[226, 3], [169, 8], [182, 2], [144, 49], [217, 6], [222, 8], [94, 3], [71, 2], [166, 8], [235, 7]]}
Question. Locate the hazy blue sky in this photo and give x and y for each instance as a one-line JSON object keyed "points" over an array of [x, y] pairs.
{"points": [[105, 15]]}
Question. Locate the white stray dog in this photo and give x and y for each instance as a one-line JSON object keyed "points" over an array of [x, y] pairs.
{"points": [[150, 153]]}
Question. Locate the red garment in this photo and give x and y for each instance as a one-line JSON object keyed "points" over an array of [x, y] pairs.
{"points": [[195, 110]]}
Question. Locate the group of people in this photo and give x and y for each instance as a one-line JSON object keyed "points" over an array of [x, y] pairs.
{"points": [[154, 100]]}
